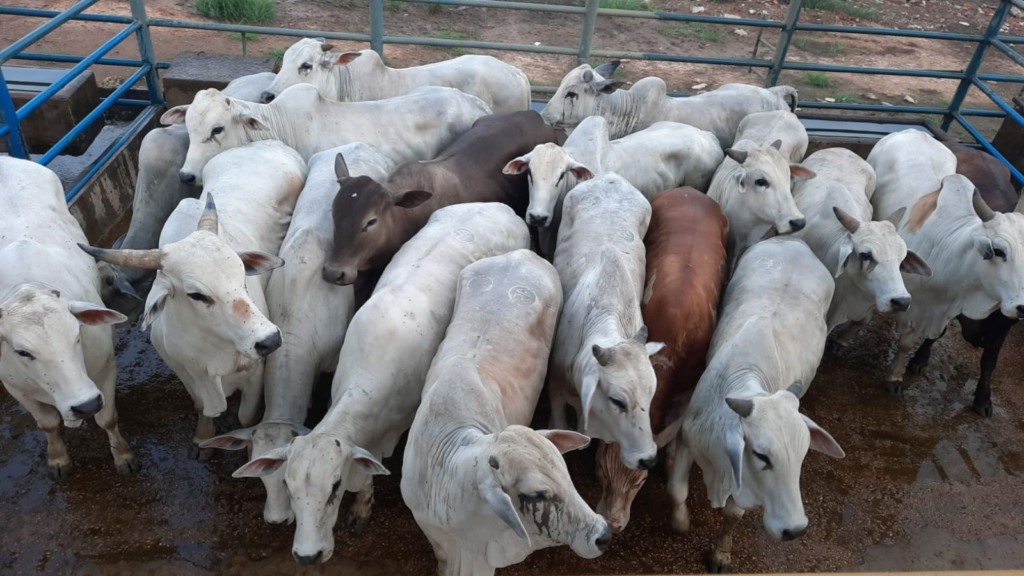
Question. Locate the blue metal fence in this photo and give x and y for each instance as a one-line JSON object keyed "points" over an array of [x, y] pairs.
{"points": [[139, 25]]}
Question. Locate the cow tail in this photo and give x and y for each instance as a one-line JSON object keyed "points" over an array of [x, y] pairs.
{"points": [[787, 93]]}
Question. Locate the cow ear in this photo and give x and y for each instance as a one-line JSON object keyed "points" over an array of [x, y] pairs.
{"points": [[346, 57], [587, 398], [734, 446], [984, 247], [517, 165], [252, 123], [411, 198], [94, 315], [914, 264], [257, 262], [500, 503], [158, 295], [799, 172], [368, 462], [175, 115], [234, 440], [609, 86], [566, 440], [264, 465], [580, 171], [845, 252], [340, 167], [822, 441], [608, 69], [653, 348], [603, 355], [741, 406]]}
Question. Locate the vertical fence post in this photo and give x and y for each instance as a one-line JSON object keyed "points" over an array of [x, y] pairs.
{"points": [[16, 140], [377, 27], [153, 84], [589, 21], [785, 36], [971, 73]]}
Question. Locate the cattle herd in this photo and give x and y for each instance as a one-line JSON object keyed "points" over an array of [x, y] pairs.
{"points": [[671, 271]]}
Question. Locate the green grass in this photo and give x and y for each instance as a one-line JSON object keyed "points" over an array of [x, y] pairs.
{"points": [[392, 5], [276, 53], [851, 9], [697, 30], [818, 79], [821, 46], [637, 5], [249, 36], [238, 11], [435, 8], [449, 34], [846, 99]]}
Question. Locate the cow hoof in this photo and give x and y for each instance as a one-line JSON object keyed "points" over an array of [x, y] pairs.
{"points": [[357, 523], [719, 562], [128, 467], [983, 409], [894, 388], [681, 520], [58, 472], [916, 369]]}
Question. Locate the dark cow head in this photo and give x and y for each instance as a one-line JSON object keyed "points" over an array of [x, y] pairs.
{"points": [[367, 227]]}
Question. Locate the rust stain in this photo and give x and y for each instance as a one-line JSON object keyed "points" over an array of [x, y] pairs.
{"points": [[241, 308]]}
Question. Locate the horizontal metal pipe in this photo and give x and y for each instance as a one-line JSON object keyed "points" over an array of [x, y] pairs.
{"points": [[129, 102], [504, 4], [894, 109], [37, 13], [113, 150], [93, 116], [812, 67], [43, 29], [42, 57], [890, 32], [444, 43], [989, 147], [269, 30], [1001, 78]]}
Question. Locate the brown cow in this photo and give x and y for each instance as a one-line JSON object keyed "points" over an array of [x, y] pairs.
{"points": [[372, 221], [992, 179], [686, 265]]}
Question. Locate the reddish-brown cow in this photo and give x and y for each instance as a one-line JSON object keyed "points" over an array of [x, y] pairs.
{"points": [[372, 221], [685, 271]]}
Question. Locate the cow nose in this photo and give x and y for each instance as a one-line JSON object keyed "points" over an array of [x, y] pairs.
{"points": [[309, 560], [1020, 310], [788, 534], [537, 220], [338, 276], [269, 344], [648, 463], [797, 224], [267, 97], [605, 539], [89, 407], [900, 304], [187, 177]]}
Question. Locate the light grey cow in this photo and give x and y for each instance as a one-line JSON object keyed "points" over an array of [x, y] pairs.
{"points": [[361, 76], [743, 426], [56, 343], [485, 489], [782, 125], [382, 366], [313, 315]]}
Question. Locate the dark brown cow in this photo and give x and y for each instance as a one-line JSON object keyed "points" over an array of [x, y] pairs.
{"points": [[372, 221], [686, 265], [992, 179]]}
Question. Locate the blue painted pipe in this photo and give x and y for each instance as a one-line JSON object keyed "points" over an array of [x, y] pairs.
{"points": [[988, 146], [44, 29]]}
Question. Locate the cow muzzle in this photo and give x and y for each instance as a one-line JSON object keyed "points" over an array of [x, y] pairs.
{"points": [[900, 304], [267, 345], [537, 219], [309, 559], [89, 407], [267, 97], [187, 177], [793, 533], [339, 276]]}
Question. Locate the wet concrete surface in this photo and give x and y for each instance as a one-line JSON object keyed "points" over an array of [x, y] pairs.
{"points": [[926, 484]]}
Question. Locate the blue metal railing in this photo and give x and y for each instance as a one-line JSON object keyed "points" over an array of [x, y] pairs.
{"points": [[139, 24]]}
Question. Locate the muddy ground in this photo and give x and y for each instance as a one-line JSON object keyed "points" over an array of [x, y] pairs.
{"points": [[926, 484]]}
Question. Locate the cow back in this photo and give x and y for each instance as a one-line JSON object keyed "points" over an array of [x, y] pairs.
{"points": [[989, 176]]}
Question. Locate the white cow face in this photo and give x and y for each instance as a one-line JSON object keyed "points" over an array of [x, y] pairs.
{"points": [[579, 95], [215, 124], [766, 451], [309, 61], [763, 182], [318, 470], [874, 255], [1001, 267], [525, 482], [552, 173], [41, 354], [616, 401]]}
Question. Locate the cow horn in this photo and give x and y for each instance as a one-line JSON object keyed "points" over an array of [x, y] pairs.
{"points": [[777, 144], [848, 221], [326, 47], [588, 75], [208, 221], [796, 388], [740, 156], [981, 208], [896, 216], [145, 259], [641, 335], [741, 406], [340, 167]]}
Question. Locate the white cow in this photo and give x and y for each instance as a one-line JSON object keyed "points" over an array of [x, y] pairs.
{"points": [[600, 362], [865, 257], [661, 156], [783, 125], [485, 489], [418, 125], [158, 189], [976, 255], [382, 365], [361, 76], [208, 320], [312, 315], [743, 426], [586, 92], [56, 344]]}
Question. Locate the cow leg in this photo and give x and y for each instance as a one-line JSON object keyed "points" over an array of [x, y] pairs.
{"points": [[49, 421], [994, 331], [920, 359], [106, 418], [844, 334], [558, 419], [359, 513], [439, 552], [249, 405], [679, 483], [204, 431], [894, 383], [720, 560], [619, 486]]}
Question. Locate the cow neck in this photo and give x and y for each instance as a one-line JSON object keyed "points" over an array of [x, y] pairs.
{"points": [[290, 372], [949, 250], [274, 118], [623, 110]]}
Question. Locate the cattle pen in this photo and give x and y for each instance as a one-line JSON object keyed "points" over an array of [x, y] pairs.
{"points": [[926, 485]]}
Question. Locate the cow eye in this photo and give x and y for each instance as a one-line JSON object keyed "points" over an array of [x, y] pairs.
{"points": [[571, 95], [534, 498], [25, 354], [618, 404], [761, 182], [305, 67], [336, 486], [763, 458], [369, 223], [999, 253], [865, 256], [200, 297], [217, 130]]}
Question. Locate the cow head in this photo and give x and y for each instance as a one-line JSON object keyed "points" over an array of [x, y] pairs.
{"points": [[309, 61], [215, 123], [366, 224], [766, 447], [523, 479], [264, 438], [873, 255], [41, 348], [318, 470], [763, 182], [200, 290], [999, 246], [579, 95], [552, 173], [616, 398]]}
